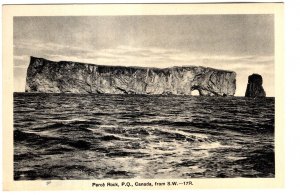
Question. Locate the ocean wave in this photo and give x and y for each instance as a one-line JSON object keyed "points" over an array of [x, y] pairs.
{"points": [[69, 136]]}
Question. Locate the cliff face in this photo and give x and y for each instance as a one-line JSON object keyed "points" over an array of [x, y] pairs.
{"points": [[71, 77], [254, 87]]}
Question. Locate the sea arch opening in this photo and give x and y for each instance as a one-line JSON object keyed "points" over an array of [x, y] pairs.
{"points": [[195, 91]]}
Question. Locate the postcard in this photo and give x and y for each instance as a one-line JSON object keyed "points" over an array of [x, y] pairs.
{"points": [[143, 96]]}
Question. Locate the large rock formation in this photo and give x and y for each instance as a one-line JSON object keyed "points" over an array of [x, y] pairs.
{"points": [[71, 77], [254, 87]]}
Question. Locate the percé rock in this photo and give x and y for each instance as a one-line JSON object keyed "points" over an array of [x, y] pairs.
{"points": [[254, 87], [47, 76]]}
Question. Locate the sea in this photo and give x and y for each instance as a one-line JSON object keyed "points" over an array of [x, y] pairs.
{"points": [[103, 136]]}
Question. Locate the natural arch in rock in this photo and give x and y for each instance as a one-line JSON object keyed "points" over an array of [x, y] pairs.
{"points": [[195, 92], [47, 76]]}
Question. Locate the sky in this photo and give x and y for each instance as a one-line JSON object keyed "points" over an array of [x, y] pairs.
{"points": [[241, 43]]}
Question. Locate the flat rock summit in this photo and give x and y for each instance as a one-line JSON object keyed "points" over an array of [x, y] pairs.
{"points": [[47, 76]]}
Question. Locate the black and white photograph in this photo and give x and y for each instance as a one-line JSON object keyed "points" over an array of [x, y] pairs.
{"points": [[144, 96]]}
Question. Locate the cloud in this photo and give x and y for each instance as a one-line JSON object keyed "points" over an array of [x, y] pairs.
{"points": [[240, 42], [128, 55]]}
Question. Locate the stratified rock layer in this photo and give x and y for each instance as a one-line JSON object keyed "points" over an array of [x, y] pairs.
{"points": [[254, 87], [71, 77]]}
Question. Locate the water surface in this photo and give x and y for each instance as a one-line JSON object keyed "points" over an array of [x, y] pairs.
{"points": [[71, 136]]}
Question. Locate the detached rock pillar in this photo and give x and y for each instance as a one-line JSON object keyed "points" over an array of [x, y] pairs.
{"points": [[254, 87]]}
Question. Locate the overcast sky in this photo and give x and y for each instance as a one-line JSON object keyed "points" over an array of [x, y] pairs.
{"points": [[242, 43]]}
